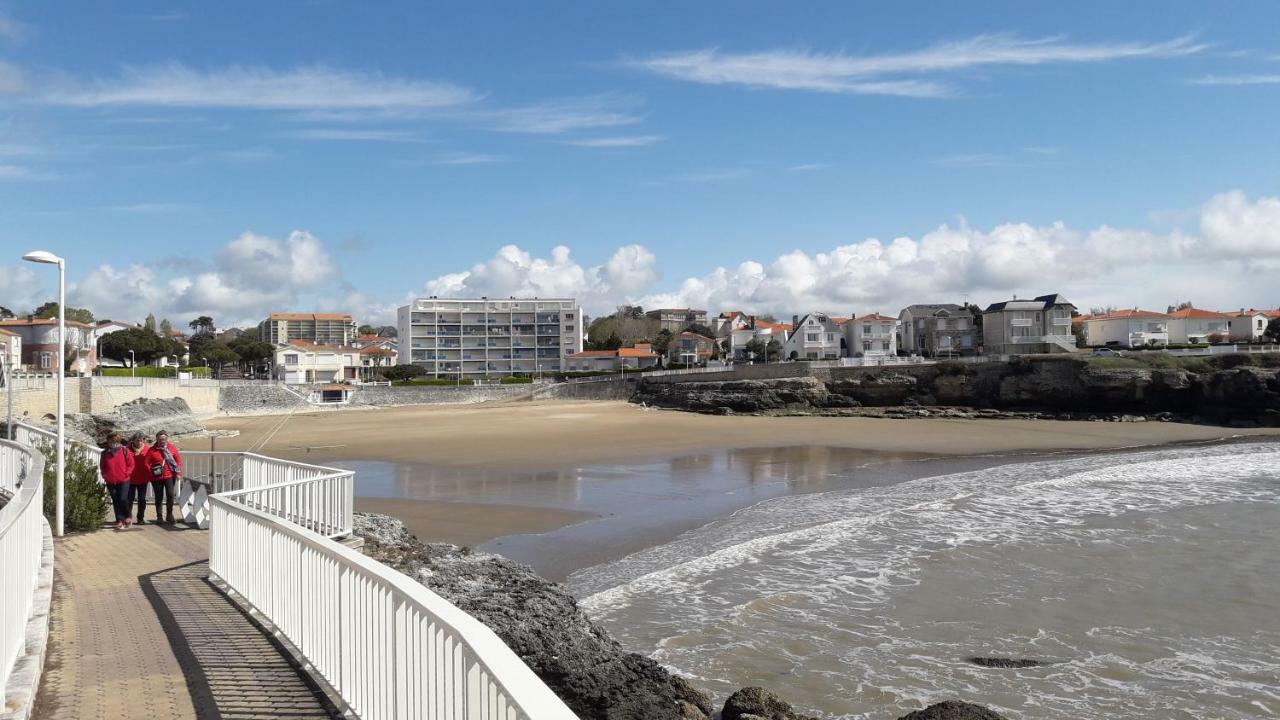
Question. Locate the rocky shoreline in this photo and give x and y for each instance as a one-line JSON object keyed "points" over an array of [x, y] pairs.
{"points": [[575, 656], [1036, 387]]}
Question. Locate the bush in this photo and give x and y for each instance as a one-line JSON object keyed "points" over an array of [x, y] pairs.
{"points": [[145, 371], [515, 380], [402, 372], [85, 502]]}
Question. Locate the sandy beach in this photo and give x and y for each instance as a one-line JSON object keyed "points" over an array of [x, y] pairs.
{"points": [[475, 473]]}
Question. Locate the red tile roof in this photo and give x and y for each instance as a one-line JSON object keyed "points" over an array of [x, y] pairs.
{"points": [[1197, 313], [595, 354], [875, 317], [23, 322], [636, 352], [1134, 314]]}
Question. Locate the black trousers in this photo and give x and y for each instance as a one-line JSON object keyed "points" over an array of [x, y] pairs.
{"points": [[119, 501], [164, 494], [138, 498]]}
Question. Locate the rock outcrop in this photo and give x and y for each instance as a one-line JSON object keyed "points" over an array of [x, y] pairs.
{"points": [[541, 622], [145, 415], [953, 710], [756, 702], [1037, 386], [1012, 663]]}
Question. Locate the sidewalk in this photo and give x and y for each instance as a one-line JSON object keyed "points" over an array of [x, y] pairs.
{"points": [[138, 632]]}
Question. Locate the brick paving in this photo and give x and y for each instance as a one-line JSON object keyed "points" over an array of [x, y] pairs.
{"points": [[136, 631]]}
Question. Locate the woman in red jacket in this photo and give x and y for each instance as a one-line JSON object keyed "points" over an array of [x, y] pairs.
{"points": [[141, 478], [165, 465], [116, 466]]}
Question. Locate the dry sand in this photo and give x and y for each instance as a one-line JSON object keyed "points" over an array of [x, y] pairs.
{"points": [[552, 435], [546, 436]]}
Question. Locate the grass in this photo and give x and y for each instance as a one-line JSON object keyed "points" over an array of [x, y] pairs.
{"points": [[147, 371], [1195, 363]]}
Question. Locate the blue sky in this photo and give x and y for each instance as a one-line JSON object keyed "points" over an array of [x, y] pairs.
{"points": [[236, 158]]}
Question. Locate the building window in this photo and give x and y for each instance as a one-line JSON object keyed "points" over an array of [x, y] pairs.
{"points": [[884, 345], [811, 337], [46, 360], [291, 359]]}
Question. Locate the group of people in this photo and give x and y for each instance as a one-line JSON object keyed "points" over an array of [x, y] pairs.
{"points": [[128, 469]]}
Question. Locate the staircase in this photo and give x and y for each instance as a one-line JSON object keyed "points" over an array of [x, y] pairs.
{"points": [[229, 371]]}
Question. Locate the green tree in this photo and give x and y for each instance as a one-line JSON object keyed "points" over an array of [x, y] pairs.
{"points": [[388, 331], [1272, 333], [764, 351], [146, 345], [613, 342], [662, 341], [149, 323], [5, 313], [253, 353], [202, 324], [700, 329], [85, 502], [402, 372], [50, 310], [166, 328], [367, 330]]}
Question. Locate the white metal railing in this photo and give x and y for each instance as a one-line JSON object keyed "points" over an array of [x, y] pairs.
{"points": [[387, 645], [33, 437], [21, 547]]}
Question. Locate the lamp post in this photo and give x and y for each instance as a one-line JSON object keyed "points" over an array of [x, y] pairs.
{"points": [[48, 258], [133, 364]]}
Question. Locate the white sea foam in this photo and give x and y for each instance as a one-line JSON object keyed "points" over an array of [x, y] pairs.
{"points": [[834, 587]]}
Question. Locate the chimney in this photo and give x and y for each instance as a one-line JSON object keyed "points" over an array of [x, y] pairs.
{"points": [[795, 320]]}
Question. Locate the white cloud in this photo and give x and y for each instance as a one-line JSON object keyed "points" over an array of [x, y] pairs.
{"points": [[21, 288], [808, 167], [877, 74], [1231, 262], [624, 141], [470, 159], [355, 135], [1238, 80], [560, 116], [258, 88]]}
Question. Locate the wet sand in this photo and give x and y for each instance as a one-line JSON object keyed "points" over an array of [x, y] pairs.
{"points": [[522, 478]]}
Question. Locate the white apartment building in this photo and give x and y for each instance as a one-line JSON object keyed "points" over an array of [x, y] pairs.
{"points": [[486, 337], [1127, 328], [816, 336], [319, 328], [1193, 325], [299, 362], [872, 335]]}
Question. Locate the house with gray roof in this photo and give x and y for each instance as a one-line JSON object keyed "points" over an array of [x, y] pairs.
{"points": [[1035, 326], [934, 330]]}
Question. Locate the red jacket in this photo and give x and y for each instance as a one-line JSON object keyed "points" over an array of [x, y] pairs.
{"points": [[155, 457], [141, 471], [116, 465]]}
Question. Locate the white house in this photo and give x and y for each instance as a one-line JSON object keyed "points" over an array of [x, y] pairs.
{"points": [[872, 335], [817, 336], [735, 330], [633, 358], [10, 350], [1127, 328], [1193, 325], [1247, 325], [301, 362], [937, 330]]}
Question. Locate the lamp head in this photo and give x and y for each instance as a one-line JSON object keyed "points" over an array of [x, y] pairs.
{"points": [[42, 256]]}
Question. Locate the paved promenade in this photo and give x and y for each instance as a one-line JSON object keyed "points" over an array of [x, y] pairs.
{"points": [[137, 632]]}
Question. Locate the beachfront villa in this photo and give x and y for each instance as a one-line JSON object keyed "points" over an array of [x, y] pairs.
{"points": [[736, 330], [300, 362], [1247, 325], [1040, 325], [10, 349], [483, 337], [1127, 328], [639, 357], [318, 328], [937, 329], [1193, 325], [817, 336], [871, 336]]}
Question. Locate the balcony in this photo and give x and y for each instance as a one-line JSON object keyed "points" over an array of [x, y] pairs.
{"points": [[1021, 322]]}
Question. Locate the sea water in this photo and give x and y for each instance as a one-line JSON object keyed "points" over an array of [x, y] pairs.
{"points": [[1148, 581]]}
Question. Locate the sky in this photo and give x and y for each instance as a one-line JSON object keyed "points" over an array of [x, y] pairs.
{"points": [[233, 159]]}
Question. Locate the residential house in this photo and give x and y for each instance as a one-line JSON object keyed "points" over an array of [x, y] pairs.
{"points": [[103, 328], [677, 319], [372, 358], [1127, 328], [871, 335], [1196, 326], [639, 357], [1040, 325], [10, 350], [937, 329], [318, 328], [736, 330], [389, 345], [1248, 325], [817, 336], [690, 348], [40, 344], [300, 362]]}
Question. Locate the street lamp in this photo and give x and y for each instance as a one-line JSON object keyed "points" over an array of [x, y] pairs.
{"points": [[48, 258], [133, 364]]}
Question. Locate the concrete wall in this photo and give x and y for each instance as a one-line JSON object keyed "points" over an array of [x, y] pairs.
{"points": [[381, 396], [92, 395], [610, 389], [740, 372]]}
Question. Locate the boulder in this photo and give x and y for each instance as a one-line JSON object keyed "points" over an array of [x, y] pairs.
{"points": [[752, 702], [953, 710]]}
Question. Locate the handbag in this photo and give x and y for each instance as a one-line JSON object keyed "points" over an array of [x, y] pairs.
{"points": [[157, 469]]}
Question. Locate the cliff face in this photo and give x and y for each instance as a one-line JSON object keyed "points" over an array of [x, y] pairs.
{"points": [[1046, 384]]}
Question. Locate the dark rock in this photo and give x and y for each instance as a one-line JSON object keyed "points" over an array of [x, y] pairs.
{"points": [[953, 710], [756, 701], [542, 624], [998, 662]]}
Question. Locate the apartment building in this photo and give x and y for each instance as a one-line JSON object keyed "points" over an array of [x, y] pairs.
{"points": [[482, 337], [319, 328], [1039, 325], [677, 319], [1195, 326], [40, 344], [816, 336], [937, 329], [871, 335], [1127, 328]]}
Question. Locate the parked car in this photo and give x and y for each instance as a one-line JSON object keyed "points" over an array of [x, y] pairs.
{"points": [[1106, 352]]}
